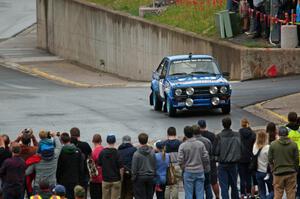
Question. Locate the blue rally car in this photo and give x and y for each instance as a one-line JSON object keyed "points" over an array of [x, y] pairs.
{"points": [[189, 82]]}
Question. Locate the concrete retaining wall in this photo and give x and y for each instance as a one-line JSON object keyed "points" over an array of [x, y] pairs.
{"points": [[132, 47]]}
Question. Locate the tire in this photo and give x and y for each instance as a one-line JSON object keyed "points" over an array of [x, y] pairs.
{"points": [[171, 111], [157, 104], [226, 110]]}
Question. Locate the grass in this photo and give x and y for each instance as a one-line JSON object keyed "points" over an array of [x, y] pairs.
{"points": [[129, 6], [193, 15], [192, 18]]}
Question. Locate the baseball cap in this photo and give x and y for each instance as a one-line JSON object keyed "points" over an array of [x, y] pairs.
{"points": [[59, 190], [282, 131], [111, 139], [126, 139]]}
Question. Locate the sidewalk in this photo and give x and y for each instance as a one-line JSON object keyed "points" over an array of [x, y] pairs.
{"points": [[20, 53], [276, 110]]}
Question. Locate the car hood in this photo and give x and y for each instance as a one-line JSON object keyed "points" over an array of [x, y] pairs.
{"points": [[185, 81]]}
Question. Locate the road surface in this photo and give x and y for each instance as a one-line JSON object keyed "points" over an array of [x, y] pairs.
{"points": [[27, 101], [15, 16]]}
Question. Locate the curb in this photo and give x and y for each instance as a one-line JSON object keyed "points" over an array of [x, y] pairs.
{"points": [[274, 114], [37, 72], [266, 114]]}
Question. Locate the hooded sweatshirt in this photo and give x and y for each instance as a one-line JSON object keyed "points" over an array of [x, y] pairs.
{"points": [[283, 156], [46, 168], [111, 163], [193, 156], [70, 165], [247, 139], [143, 163], [126, 151]]}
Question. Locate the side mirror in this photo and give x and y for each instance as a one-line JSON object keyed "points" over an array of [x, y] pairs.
{"points": [[226, 74], [162, 76]]}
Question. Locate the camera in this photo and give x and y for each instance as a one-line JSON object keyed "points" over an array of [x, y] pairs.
{"points": [[27, 131]]}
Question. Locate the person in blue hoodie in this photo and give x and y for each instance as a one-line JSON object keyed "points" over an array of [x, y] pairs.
{"points": [[162, 163], [126, 151]]}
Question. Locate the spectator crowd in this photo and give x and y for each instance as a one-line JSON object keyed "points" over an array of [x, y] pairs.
{"points": [[260, 17], [61, 165]]}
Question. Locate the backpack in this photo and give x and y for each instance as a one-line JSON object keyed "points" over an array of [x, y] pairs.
{"points": [[171, 175], [254, 162], [92, 167]]}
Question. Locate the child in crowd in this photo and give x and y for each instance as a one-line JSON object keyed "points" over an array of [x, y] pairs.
{"points": [[46, 144], [162, 163], [79, 192], [59, 192]]}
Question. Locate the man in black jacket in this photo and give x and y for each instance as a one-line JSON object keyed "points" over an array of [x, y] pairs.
{"points": [[143, 169], [213, 165], [228, 151], [86, 151], [69, 166], [126, 151], [112, 169]]}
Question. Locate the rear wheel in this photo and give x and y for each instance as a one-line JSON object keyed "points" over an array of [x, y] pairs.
{"points": [[156, 102], [170, 109], [226, 109]]}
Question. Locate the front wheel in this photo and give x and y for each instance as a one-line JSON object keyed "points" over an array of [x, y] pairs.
{"points": [[171, 111], [226, 109]]}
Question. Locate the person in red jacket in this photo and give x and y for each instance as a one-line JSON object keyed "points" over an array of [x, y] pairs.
{"points": [[29, 179], [96, 180]]}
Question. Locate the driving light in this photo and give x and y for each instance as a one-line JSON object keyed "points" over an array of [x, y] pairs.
{"points": [[215, 101], [178, 92], [213, 90], [189, 102], [189, 91], [223, 89]]}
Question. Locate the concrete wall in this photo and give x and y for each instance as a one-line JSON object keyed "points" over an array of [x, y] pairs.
{"points": [[132, 47]]}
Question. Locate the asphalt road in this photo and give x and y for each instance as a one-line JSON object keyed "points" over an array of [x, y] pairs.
{"points": [[27, 101], [15, 16]]}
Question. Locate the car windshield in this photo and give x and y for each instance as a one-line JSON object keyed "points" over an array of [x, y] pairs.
{"points": [[194, 66]]}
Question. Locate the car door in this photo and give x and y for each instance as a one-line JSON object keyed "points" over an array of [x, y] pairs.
{"points": [[156, 77], [162, 78]]}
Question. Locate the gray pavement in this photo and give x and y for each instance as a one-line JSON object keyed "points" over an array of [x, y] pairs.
{"points": [[27, 101], [15, 16]]}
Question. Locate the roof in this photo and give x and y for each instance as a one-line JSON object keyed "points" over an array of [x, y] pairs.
{"points": [[180, 57]]}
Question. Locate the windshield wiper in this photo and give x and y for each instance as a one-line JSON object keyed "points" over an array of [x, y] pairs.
{"points": [[178, 74], [202, 72]]}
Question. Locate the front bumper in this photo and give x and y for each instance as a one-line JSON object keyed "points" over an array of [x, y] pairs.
{"points": [[203, 102]]}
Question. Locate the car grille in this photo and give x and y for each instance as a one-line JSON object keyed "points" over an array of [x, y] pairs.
{"points": [[198, 91]]}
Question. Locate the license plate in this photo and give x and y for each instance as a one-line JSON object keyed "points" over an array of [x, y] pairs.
{"points": [[222, 101]]}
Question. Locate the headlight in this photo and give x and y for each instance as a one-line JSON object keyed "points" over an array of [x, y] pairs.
{"points": [[215, 101], [189, 91], [213, 90], [223, 89], [189, 102], [178, 92]]}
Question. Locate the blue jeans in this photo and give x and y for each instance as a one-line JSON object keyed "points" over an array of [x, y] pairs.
{"points": [[227, 174], [193, 181], [262, 185], [207, 187]]}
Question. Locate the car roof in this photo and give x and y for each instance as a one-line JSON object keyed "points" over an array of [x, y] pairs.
{"points": [[180, 57]]}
